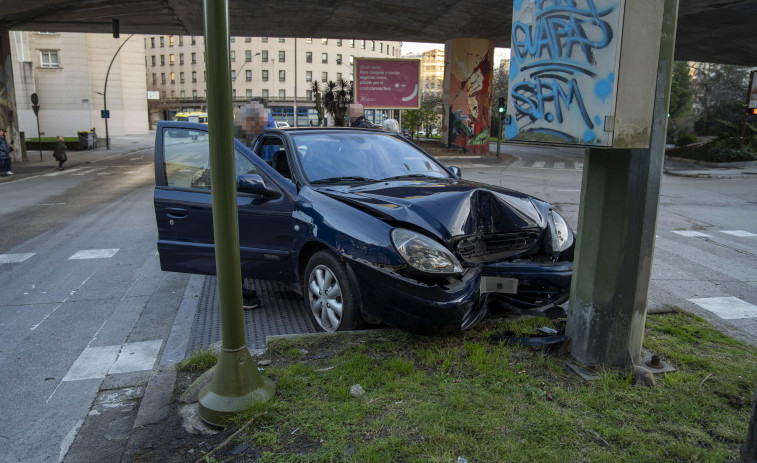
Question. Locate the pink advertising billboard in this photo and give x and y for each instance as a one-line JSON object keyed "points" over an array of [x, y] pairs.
{"points": [[388, 83]]}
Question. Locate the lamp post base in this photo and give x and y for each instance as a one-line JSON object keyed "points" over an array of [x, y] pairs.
{"points": [[236, 384]]}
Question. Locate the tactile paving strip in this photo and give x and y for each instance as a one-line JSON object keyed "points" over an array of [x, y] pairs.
{"points": [[281, 312]]}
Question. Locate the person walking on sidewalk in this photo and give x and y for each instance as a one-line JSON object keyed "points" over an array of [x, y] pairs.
{"points": [[5, 156], [59, 153]]}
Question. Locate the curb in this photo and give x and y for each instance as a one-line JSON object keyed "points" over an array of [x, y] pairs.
{"points": [[746, 175]]}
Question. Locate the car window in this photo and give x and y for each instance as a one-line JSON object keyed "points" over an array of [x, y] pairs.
{"points": [[373, 156], [186, 159], [268, 147]]}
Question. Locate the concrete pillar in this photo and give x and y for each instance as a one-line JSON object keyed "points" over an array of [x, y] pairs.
{"points": [[616, 234], [467, 93]]}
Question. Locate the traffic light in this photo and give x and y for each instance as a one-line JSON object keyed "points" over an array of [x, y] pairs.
{"points": [[501, 105]]}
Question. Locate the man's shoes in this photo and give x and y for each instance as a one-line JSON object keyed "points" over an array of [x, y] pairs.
{"points": [[9, 173], [250, 299], [60, 168]]}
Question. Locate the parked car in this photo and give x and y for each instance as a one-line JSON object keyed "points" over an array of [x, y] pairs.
{"points": [[366, 225], [407, 134]]}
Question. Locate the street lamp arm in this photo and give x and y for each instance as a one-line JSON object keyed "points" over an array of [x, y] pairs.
{"points": [[105, 89]]}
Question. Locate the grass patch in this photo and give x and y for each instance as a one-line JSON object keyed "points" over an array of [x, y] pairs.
{"points": [[718, 150], [436, 398], [199, 361]]}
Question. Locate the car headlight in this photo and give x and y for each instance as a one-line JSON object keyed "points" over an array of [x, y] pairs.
{"points": [[561, 236], [423, 253]]}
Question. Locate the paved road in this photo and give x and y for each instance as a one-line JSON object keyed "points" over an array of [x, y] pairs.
{"points": [[84, 308], [706, 247]]}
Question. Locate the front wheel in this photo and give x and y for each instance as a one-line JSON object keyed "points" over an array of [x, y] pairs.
{"points": [[329, 295]]}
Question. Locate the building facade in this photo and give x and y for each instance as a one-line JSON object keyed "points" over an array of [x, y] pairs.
{"points": [[68, 71], [432, 70], [276, 68]]}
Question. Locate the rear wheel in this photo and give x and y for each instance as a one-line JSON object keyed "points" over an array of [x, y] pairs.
{"points": [[329, 294]]}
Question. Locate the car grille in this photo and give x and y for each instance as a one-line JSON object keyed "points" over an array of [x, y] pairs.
{"points": [[494, 246]]}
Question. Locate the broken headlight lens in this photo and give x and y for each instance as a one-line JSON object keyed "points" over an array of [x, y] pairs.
{"points": [[423, 253], [560, 233]]}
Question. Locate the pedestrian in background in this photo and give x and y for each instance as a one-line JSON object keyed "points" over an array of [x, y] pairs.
{"points": [[59, 153], [5, 156], [390, 125], [357, 116]]}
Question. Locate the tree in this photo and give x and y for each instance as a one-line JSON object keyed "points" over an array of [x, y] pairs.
{"points": [[318, 100], [681, 93], [337, 95], [424, 119], [500, 87], [716, 86]]}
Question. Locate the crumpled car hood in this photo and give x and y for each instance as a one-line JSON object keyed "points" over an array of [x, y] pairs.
{"points": [[447, 207]]}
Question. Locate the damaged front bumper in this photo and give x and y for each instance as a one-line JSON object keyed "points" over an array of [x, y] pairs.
{"points": [[454, 304]]}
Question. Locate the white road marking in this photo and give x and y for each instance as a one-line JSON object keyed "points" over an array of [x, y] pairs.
{"points": [[728, 308], [93, 363], [60, 172], [570, 190], [65, 444], [690, 233], [559, 165], [49, 204], [94, 254], [739, 233], [85, 172], [538, 165], [15, 258], [137, 356], [579, 165]]}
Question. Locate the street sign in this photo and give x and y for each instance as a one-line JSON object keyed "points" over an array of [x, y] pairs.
{"points": [[105, 114]]}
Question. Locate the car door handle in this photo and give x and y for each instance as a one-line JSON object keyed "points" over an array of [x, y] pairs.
{"points": [[176, 212]]}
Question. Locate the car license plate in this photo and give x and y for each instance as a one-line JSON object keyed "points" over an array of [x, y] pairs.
{"points": [[499, 285]]}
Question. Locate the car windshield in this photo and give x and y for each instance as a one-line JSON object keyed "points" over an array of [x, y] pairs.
{"points": [[362, 156]]}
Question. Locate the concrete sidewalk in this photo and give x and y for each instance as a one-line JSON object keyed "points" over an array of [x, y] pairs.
{"points": [[118, 146]]}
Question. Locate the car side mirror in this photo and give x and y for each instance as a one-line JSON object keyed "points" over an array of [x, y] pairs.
{"points": [[255, 185], [455, 171]]}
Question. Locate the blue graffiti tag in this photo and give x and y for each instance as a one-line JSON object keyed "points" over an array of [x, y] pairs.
{"points": [[551, 52]]}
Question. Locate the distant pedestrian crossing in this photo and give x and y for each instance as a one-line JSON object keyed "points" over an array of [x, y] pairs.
{"points": [[560, 165]]}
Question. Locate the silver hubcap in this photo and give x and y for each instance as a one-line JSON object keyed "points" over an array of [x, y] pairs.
{"points": [[325, 297]]}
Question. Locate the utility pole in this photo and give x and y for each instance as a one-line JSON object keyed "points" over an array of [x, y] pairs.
{"points": [[105, 114], [237, 382], [35, 107]]}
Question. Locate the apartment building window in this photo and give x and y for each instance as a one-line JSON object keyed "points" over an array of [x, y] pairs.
{"points": [[162, 60], [324, 41], [182, 94], [338, 76], [233, 93], [309, 76], [362, 44], [173, 78], [282, 75], [153, 60], [181, 44], [248, 76], [181, 58], [264, 56], [352, 59], [264, 39], [381, 47], [324, 58], [194, 42], [173, 93], [233, 75], [339, 59], [204, 76], [265, 93], [181, 77], [233, 56], [163, 94], [194, 76], [247, 56], [248, 39], [324, 77], [264, 75], [338, 42], [282, 56], [282, 40], [282, 94], [248, 93], [352, 43], [309, 94], [152, 42], [171, 59], [308, 57], [170, 40], [194, 58], [162, 77], [232, 40], [309, 40], [194, 94], [162, 42], [154, 79], [373, 45]]}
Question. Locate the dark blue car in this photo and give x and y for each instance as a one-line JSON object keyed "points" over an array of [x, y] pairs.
{"points": [[369, 227]]}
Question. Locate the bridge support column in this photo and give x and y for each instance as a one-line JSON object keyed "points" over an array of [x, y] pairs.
{"points": [[468, 93]]}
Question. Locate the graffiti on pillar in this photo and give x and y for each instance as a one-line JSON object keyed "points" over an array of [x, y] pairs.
{"points": [[562, 70], [470, 66]]}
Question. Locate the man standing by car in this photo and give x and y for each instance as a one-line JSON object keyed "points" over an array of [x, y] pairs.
{"points": [[5, 156], [357, 118]]}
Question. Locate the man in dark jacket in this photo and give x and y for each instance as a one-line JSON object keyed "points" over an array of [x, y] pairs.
{"points": [[357, 116], [5, 156]]}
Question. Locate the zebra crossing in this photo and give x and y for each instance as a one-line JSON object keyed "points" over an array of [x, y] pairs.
{"points": [[558, 165], [99, 171]]}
